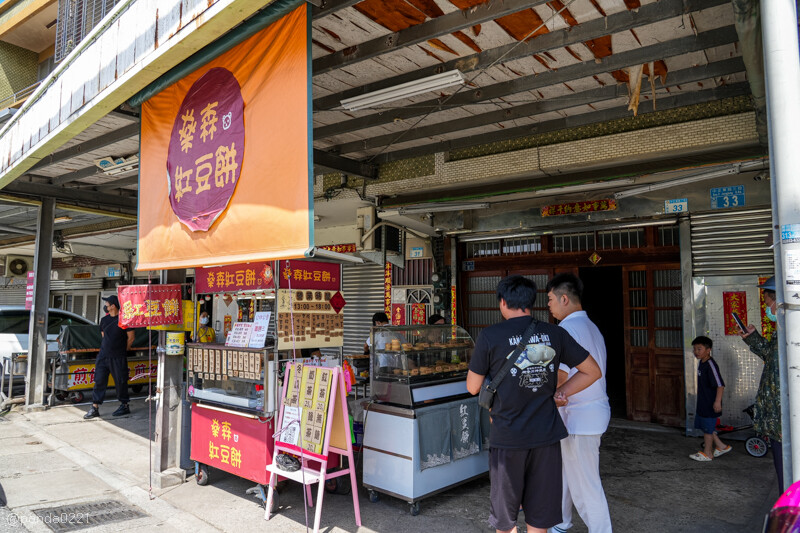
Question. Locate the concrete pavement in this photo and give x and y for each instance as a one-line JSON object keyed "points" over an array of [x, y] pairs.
{"points": [[54, 458]]}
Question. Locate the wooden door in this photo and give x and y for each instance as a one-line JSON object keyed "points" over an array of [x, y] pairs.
{"points": [[653, 343]]}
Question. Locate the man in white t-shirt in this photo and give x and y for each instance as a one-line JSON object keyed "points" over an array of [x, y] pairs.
{"points": [[586, 415]]}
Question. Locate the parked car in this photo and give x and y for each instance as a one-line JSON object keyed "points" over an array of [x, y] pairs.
{"points": [[14, 323]]}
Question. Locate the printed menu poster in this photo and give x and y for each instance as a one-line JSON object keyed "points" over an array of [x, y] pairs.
{"points": [[240, 335], [260, 326]]}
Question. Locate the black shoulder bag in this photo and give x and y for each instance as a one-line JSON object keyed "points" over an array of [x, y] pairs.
{"points": [[489, 390]]}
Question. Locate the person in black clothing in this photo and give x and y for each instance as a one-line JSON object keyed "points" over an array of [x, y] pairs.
{"points": [[526, 429], [113, 359]]}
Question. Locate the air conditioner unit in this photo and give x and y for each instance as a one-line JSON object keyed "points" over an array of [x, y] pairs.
{"points": [[18, 266]]}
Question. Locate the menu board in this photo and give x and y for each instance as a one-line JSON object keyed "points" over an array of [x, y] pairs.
{"points": [[307, 394], [221, 363], [260, 326], [240, 335], [306, 319]]}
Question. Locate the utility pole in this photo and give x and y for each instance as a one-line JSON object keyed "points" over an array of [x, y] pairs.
{"points": [[782, 77]]}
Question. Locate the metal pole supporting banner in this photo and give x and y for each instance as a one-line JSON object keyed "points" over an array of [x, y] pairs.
{"points": [[782, 76], [37, 329]]}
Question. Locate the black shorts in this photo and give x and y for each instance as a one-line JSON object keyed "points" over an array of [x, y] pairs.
{"points": [[528, 477]]}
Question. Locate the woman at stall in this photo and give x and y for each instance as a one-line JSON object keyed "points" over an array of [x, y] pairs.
{"points": [[205, 333]]}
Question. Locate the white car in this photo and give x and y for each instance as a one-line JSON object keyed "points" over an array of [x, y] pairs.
{"points": [[14, 323]]}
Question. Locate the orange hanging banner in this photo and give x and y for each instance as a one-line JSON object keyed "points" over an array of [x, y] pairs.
{"points": [[226, 169]]}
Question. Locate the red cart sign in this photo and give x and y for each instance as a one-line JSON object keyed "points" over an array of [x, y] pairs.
{"points": [[235, 444], [149, 305], [231, 278]]}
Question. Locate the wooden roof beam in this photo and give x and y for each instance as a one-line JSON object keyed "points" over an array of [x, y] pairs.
{"points": [[593, 29], [639, 56]]}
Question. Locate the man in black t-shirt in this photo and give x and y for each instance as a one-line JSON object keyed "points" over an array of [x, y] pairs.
{"points": [[112, 359], [525, 454]]}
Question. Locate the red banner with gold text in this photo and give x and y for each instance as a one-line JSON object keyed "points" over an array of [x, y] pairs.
{"points": [[149, 305], [734, 302]]}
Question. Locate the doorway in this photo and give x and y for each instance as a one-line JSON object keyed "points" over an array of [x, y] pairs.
{"points": [[603, 303]]}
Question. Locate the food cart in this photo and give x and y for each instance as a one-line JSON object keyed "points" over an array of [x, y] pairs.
{"points": [[72, 368], [234, 387], [423, 433]]}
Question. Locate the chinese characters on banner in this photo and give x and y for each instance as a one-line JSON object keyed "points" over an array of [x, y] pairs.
{"points": [[734, 302], [231, 278], [299, 274], [149, 305], [81, 376], [387, 288], [213, 170], [573, 208], [231, 442], [418, 314], [340, 248], [767, 325], [29, 286], [398, 316], [206, 149]]}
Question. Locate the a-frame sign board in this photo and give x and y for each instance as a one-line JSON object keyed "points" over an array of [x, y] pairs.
{"points": [[312, 422]]}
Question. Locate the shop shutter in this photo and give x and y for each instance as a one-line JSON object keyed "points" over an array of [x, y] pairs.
{"points": [[732, 242], [12, 295], [362, 287], [76, 284]]}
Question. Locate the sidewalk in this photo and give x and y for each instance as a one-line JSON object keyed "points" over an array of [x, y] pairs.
{"points": [[54, 459]]}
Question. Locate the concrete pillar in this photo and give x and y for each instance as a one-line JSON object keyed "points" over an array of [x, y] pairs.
{"points": [[166, 449], [37, 330]]}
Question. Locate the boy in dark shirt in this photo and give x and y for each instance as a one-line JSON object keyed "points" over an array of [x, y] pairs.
{"points": [[709, 401]]}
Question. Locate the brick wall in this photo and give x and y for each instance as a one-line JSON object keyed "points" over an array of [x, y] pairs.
{"points": [[18, 69]]}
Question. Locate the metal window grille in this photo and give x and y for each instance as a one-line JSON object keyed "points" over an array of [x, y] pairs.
{"points": [[620, 238], [669, 235], [76, 18], [519, 246], [573, 242], [483, 248]]}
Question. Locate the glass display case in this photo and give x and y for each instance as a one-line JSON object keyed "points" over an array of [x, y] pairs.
{"points": [[412, 365], [243, 379]]}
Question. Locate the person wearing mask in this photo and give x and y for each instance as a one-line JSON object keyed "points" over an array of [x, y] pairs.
{"points": [[205, 333], [767, 416], [112, 359]]}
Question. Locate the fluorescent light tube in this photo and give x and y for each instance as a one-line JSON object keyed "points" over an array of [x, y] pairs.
{"points": [[583, 187], [404, 90], [433, 208], [728, 170]]}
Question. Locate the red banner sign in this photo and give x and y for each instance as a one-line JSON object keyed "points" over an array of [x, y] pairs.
{"points": [[398, 315], [734, 302], [309, 275], [149, 305], [340, 248], [767, 325], [232, 278], [419, 314], [29, 290], [574, 208], [232, 443], [387, 288]]}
